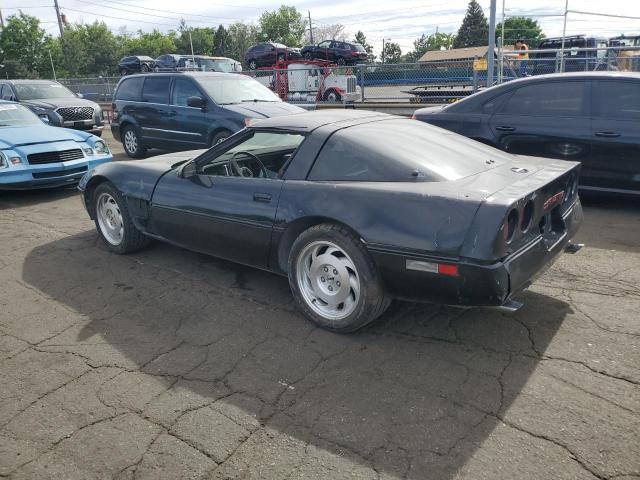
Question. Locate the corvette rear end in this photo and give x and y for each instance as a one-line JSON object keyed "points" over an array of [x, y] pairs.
{"points": [[528, 217]]}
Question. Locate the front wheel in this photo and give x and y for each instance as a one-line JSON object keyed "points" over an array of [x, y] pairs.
{"points": [[253, 65], [332, 96], [219, 137], [334, 280], [113, 221], [131, 143]]}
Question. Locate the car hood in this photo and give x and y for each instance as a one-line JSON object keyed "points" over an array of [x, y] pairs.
{"points": [[429, 110], [52, 103], [11, 137], [264, 109]]}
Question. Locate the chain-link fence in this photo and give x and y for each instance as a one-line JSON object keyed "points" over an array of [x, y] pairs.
{"points": [[423, 82]]}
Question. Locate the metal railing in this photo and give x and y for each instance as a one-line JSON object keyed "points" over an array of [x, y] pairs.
{"points": [[423, 82]]}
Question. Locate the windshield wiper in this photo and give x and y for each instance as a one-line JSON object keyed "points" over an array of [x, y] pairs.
{"points": [[258, 100]]}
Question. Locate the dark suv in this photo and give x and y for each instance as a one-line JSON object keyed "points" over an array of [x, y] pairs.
{"points": [[135, 64], [55, 104], [593, 118], [204, 63], [342, 53], [188, 110], [267, 54], [575, 59]]}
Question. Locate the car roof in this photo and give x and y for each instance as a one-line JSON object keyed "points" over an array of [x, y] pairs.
{"points": [[309, 121], [26, 80], [195, 74]]}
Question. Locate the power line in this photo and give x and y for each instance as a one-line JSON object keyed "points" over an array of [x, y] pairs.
{"points": [[603, 14], [102, 15], [186, 14], [145, 13]]}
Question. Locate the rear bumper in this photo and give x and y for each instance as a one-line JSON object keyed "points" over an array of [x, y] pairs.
{"points": [[48, 175], [475, 284]]}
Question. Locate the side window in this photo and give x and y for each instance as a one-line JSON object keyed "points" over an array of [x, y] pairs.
{"points": [[156, 89], [130, 89], [325, 44], [182, 90], [342, 160], [548, 99], [261, 155], [618, 99]]}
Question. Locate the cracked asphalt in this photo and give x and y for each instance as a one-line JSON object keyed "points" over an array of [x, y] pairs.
{"points": [[171, 364]]}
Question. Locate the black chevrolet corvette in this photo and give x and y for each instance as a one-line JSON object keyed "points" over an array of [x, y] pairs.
{"points": [[355, 207]]}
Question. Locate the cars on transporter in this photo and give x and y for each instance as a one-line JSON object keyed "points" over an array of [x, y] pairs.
{"points": [[187, 110], [135, 64], [593, 118], [355, 207], [55, 104], [36, 155], [342, 53]]}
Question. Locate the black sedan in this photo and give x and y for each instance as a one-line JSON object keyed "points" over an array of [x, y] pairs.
{"points": [[593, 118], [355, 207], [135, 64], [343, 53]]}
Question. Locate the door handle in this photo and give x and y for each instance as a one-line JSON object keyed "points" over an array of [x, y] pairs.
{"points": [[505, 128], [171, 113], [607, 134], [262, 197]]}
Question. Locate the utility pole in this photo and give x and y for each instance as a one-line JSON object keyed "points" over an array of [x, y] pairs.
{"points": [[383, 50], [310, 27], [564, 33], [1, 20], [492, 43], [55, 4]]}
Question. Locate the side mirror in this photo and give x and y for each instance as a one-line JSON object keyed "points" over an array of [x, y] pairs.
{"points": [[188, 170], [79, 95], [44, 119], [196, 102]]}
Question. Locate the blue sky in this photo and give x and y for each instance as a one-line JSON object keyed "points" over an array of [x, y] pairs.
{"points": [[401, 20]]}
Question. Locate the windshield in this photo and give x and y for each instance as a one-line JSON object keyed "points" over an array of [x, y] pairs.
{"points": [[226, 66], [236, 89], [38, 91], [360, 48], [12, 115]]}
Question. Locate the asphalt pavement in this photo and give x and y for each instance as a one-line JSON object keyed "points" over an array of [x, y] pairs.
{"points": [[171, 364]]}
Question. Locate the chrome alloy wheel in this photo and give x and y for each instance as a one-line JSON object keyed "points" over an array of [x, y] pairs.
{"points": [[110, 219], [328, 280], [130, 141]]}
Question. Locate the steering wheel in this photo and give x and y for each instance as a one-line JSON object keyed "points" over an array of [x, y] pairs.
{"points": [[245, 171]]}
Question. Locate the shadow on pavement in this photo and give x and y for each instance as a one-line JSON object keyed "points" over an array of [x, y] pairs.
{"points": [[414, 395], [25, 198]]}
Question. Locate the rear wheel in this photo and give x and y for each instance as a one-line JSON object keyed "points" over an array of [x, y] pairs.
{"points": [[253, 65], [341, 61], [131, 143], [334, 280], [123, 72], [113, 221]]}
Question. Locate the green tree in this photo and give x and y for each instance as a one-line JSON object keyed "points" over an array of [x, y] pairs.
{"points": [[21, 45], [241, 37], [435, 41], [362, 40], [221, 47], [152, 44], [88, 49], [284, 25], [474, 31], [202, 39], [520, 28], [392, 53]]}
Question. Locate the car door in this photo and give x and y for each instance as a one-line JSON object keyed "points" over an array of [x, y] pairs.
{"points": [[188, 125], [323, 51], [546, 119], [153, 111], [615, 130], [231, 217]]}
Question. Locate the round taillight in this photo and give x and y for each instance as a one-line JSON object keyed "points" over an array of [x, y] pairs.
{"points": [[527, 216], [510, 224]]}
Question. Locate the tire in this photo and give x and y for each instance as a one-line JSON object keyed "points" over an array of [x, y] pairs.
{"points": [[131, 143], [328, 262], [308, 56], [332, 96], [123, 72], [341, 61], [144, 68], [253, 65], [110, 212], [220, 136], [282, 57]]}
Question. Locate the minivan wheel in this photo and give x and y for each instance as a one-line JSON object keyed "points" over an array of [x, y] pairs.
{"points": [[131, 143], [334, 280], [221, 136]]}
